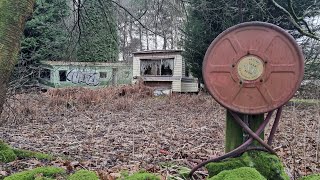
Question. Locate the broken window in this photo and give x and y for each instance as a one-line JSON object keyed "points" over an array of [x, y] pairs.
{"points": [[103, 75], [63, 75], [167, 67], [45, 74], [156, 67]]}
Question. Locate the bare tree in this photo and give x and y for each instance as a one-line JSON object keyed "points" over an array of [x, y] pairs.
{"points": [[300, 22], [149, 24]]}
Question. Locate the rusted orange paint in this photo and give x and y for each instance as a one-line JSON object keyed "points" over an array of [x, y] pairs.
{"points": [[251, 89]]}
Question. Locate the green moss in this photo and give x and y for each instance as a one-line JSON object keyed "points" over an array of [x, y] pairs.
{"points": [[311, 177], [266, 164], [141, 176], [83, 175], [228, 164], [6, 153], [3, 146], [31, 154], [43, 178], [46, 172], [184, 172], [243, 173]]}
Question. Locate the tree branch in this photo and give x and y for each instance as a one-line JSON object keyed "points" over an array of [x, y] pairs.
{"points": [[135, 18], [292, 17]]}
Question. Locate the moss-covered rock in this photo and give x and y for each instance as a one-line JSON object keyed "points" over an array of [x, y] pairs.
{"points": [[270, 166], [41, 173], [266, 164], [243, 173], [83, 175], [228, 164], [311, 177], [141, 176]]}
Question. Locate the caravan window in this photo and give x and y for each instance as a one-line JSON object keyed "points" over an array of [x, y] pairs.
{"points": [[156, 67], [45, 74], [63, 75]]}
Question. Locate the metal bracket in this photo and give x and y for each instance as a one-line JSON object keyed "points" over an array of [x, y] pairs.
{"points": [[252, 136]]}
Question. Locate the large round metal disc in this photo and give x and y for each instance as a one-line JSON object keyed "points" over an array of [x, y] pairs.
{"points": [[253, 67]]}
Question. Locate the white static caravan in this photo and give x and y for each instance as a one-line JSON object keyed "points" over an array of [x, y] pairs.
{"points": [[163, 69]]}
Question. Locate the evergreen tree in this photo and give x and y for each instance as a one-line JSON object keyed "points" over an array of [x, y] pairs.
{"points": [[45, 36], [98, 39]]}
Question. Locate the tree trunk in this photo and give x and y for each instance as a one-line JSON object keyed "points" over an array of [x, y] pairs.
{"points": [[140, 39], [147, 38], [13, 14], [165, 41]]}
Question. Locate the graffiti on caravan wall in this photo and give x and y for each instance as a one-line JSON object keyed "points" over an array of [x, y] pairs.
{"points": [[78, 76]]}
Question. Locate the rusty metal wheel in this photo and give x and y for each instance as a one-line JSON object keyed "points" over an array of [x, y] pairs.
{"points": [[253, 67]]}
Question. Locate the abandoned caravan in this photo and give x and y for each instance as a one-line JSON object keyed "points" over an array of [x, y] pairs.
{"points": [[163, 69], [57, 74]]}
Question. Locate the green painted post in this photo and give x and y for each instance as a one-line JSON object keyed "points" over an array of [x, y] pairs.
{"points": [[234, 132], [254, 122]]}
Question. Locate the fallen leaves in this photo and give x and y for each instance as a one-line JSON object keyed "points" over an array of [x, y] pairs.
{"points": [[109, 137]]}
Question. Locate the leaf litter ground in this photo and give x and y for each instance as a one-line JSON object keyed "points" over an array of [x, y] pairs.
{"points": [[126, 128]]}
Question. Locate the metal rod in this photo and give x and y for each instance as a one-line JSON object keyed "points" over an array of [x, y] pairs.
{"points": [[242, 148], [251, 133], [275, 126]]}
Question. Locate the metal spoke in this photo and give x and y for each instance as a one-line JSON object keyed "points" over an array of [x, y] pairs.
{"points": [[220, 68], [235, 44], [233, 97], [283, 68], [265, 93], [266, 45]]}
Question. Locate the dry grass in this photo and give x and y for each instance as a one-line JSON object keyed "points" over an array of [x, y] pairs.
{"points": [[126, 127]]}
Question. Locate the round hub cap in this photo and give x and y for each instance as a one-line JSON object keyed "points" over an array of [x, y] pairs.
{"points": [[250, 68]]}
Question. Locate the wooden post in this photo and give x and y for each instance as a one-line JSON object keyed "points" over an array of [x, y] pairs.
{"points": [[234, 132], [254, 122]]}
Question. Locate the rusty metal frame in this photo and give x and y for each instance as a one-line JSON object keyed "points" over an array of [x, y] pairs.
{"points": [[252, 136]]}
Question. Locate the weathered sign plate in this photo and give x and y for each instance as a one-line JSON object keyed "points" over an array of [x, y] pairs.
{"points": [[253, 67]]}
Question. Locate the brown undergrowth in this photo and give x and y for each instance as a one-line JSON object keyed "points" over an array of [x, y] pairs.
{"points": [[112, 129]]}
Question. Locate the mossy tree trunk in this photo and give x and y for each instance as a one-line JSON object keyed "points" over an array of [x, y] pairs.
{"points": [[13, 14]]}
